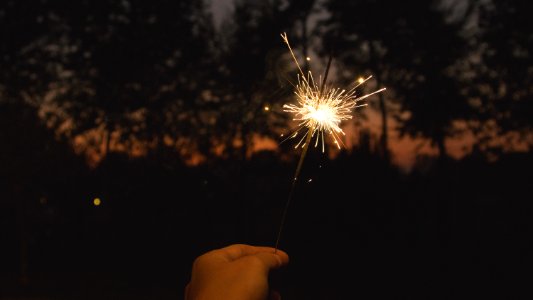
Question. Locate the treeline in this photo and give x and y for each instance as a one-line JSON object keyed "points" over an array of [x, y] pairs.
{"points": [[139, 77]]}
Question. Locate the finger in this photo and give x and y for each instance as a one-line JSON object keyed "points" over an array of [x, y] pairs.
{"points": [[187, 291], [283, 256], [237, 251], [270, 260]]}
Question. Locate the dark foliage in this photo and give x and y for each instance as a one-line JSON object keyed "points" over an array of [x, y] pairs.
{"points": [[162, 76]]}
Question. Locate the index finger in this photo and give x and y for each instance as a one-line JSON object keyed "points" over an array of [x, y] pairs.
{"points": [[237, 251]]}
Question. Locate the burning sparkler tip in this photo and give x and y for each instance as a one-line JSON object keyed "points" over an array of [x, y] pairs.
{"points": [[320, 107]]}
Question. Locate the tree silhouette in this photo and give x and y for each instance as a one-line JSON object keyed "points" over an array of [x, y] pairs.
{"points": [[30, 153], [32, 161], [254, 80], [134, 68], [357, 31], [403, 43], [28, 62], [502, 90]]}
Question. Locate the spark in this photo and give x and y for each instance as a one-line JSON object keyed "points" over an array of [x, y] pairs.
{"points": [[320, 108]]}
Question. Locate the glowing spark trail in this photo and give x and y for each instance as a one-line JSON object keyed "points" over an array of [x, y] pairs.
{"points": [[322, 108], [321, 112], [319, 109]]}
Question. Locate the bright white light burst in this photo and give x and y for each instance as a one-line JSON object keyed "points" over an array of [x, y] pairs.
{"points": [[321, 108]]}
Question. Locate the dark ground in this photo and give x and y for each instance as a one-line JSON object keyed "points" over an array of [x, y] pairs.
{"points": [[360, 229]]}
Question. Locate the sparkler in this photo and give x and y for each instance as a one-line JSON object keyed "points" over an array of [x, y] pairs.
{"points": [[319, 109]]}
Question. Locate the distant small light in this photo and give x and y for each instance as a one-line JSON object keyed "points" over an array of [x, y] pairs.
{"points": [[267, 108], [310, 179], [97, 201], [308, 58], [360, 80]]}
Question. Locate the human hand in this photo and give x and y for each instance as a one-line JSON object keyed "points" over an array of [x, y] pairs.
{"points": [[234, 272]]}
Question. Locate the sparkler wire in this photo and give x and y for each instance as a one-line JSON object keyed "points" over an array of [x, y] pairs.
{"points": [[293, 186], [318, 109], [304, 150]]}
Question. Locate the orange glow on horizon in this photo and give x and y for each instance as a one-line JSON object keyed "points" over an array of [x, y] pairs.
{"points": [[404, 150]]}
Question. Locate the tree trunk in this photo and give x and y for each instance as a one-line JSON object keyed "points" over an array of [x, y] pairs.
{"points": [[384, 140], [23, 234], [439, 140], [107, 142], [384, 129]]}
